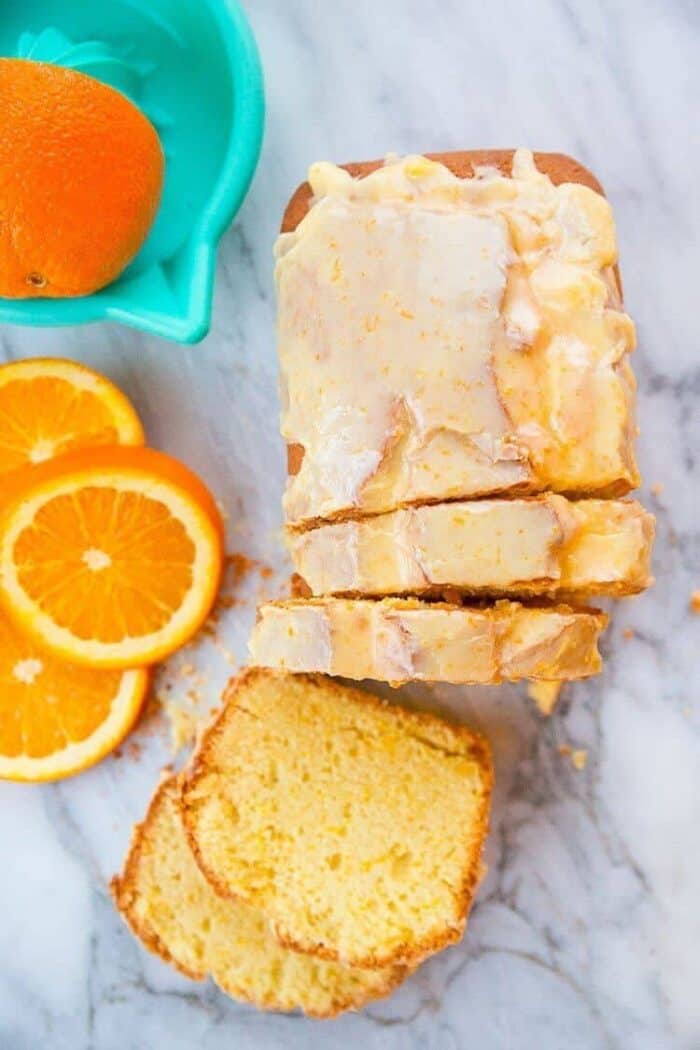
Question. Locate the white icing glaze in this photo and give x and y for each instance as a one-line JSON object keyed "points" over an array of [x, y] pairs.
{"points": [[444, 337], [540, 545]]}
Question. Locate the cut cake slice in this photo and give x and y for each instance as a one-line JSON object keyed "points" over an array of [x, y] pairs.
{"points": [[545, 545], [172, 909], [400, 640], [354, 825]]}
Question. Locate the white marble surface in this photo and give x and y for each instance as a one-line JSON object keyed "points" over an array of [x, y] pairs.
{"points": [[587, 928]]}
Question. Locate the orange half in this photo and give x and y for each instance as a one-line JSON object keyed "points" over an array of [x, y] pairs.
{"points": [[109, 557], [57, 719], [49, 406]]}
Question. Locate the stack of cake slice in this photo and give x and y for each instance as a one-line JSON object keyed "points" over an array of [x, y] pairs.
{"points": [[321, 844], [459, 411]]}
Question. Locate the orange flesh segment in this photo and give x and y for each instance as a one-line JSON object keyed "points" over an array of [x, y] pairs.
{"points": [[106, 564], [47, 417], [45, 703], [111, 556]]}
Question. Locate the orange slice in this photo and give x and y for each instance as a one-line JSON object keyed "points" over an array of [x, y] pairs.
{"points": [[57, 719], [110, 557], [49, 406]]}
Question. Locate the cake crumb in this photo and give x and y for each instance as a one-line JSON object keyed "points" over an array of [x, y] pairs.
{"points": [[183, 726], [695, 602], [239, 565], [150, 722], [578, 756], [545, 695], [657, 488], [224, 651], [227, 601], [628, 634]]}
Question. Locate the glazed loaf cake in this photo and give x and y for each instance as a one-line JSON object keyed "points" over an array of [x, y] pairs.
{"points": [[400, 640], [451, 328], [544, 545]]}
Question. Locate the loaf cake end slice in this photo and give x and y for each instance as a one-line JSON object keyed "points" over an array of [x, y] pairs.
{"points": [[355, 826]]}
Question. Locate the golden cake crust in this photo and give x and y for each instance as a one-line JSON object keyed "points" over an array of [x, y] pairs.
{"points": [[462, 163]]}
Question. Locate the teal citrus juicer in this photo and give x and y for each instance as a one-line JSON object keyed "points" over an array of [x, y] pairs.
{"points": [[192, 66]]}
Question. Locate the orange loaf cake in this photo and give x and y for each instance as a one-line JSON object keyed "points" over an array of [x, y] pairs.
{"points": [[451, 328]]}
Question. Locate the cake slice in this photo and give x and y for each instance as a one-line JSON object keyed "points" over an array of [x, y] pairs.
{"points": [[545, 545], [402, 640], [355, 826], [451, 328], [175, 913]]}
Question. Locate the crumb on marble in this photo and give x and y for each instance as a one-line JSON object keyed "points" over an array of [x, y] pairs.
{"points": [[227, 601], [133, 749], [239, 564], [657, 488], [578, 756], [695, 602], [183, 688], [237, 567], [150, 720], [183, 726], [628, 634], [545, 695], [227, 654]]}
